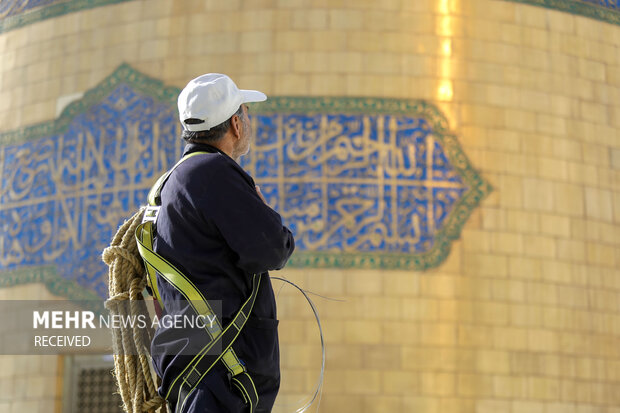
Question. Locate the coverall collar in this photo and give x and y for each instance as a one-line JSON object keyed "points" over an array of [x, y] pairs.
{"points": [[196, 147]]}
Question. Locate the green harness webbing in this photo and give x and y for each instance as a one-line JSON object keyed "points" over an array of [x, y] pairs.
{"points": [[201, 364]]}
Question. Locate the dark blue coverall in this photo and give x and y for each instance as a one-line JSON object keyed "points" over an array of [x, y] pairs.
{"points": [[216, 230]]}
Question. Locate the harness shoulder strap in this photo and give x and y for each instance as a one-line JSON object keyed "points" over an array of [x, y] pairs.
{"points": [[147, 232], [154, 197]]}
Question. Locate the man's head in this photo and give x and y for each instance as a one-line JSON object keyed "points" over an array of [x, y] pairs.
{"points": [[212, 109]]}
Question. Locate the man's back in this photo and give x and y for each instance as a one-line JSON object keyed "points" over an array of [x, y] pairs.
{"points": [[215, 228]]}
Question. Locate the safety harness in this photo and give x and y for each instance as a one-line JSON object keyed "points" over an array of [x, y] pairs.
{"points": [[185, 383]]}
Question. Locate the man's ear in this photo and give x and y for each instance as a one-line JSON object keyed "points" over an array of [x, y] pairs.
{"points": [[236, 126]]}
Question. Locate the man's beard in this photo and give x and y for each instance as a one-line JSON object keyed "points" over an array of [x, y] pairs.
{"points": [[244, 143]]}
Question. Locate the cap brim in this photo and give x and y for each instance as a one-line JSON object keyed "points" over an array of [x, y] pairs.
{"points": [[253, 96]]}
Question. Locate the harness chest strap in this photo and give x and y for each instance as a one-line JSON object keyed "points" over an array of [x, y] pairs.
{"points": [[186, 382]]}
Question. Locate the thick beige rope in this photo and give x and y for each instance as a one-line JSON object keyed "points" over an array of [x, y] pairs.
{"points": [[131, 344]]}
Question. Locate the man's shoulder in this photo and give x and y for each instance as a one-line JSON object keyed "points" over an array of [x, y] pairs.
{"points": [[202, 163]]}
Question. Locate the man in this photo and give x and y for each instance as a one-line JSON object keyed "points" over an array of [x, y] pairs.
{"points": [[215, 227]]}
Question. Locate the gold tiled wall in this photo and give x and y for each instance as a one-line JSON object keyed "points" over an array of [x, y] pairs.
{"points": [[30, 383], [524, 316]]}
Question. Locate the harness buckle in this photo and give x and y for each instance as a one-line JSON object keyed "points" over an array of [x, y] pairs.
{"points": [[150, 214]]}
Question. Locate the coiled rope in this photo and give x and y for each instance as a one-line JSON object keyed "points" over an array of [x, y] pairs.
{"points": [[131, 343]]}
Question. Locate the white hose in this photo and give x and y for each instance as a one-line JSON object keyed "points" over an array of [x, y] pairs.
{"points": [[319, 385]]}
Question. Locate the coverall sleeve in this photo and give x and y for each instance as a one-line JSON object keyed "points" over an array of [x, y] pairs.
{"points": [[251, 228]]}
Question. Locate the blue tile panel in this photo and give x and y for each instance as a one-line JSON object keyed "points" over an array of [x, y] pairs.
{"points": [[351, 186]]}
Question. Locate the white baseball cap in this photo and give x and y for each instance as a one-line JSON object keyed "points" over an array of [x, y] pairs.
{"points": [[212, 98]]}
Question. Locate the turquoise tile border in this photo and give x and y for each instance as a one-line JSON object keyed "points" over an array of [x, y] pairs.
{"points": [[48, 276], [58, 8], [608, 13]]}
